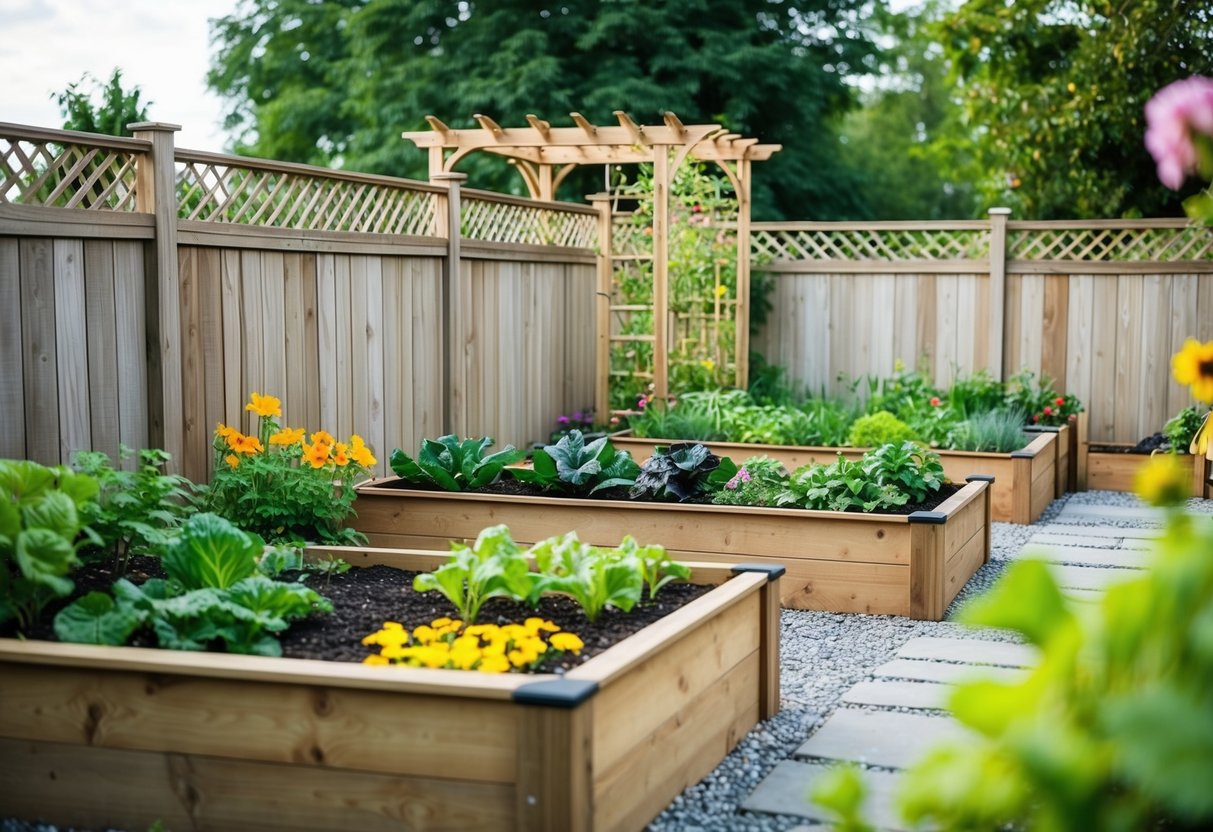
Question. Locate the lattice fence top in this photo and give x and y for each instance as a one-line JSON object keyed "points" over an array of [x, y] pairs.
{"points": [[47, 168], [219, 189], [1107, 245], [500, 221], [888, 245]]}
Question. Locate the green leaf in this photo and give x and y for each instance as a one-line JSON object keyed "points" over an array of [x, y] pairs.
{"points": [[1026, 599], [44, 557], [54, 511], [24, 480], [210, 553], [96, 619]]}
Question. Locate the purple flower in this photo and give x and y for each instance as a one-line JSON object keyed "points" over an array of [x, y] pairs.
{"points": [[562, 420], [1172, 115]]}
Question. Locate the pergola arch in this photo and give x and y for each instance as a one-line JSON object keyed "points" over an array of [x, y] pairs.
{"points": [[544, 156]]}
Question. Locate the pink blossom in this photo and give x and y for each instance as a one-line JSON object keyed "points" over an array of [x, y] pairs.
{"points": [[1172, 115]]}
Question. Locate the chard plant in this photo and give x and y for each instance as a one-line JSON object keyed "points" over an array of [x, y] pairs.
{"points": [[594, 578], [454, 464], [493, 567], [42, 529], [682, 472], [573, 466], [213, 594]]}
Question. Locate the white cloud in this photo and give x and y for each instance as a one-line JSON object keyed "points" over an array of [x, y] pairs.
{"points": [[161, 47]]}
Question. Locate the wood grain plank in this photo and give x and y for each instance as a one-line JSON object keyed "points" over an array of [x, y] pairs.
{"points": [[211, 318], [195, 431], [252, 371], [102, 346], [1104, 338], [71, 337], [1184, 305], [375, 361], [295, 392], [130, 287], [39, 353], [273, 327], [12, 369], [1128, 376], [398, 362], [1154, 359], [311, 341], [231, 301], [326, 340], [343, 316], [1079, 326]]}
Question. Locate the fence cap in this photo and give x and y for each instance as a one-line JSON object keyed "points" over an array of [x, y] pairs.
{"points": [[999, 211], [161, 126]]}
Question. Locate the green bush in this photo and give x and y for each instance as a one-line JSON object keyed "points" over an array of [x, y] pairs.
{"points": [[877, 429], [1181, 429]]}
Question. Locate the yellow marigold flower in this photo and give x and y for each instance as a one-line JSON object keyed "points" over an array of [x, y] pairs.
{"points": [[264, 405], [708, 364], [378, 661], [287, 436], [357, 442], [479, 629], [424, 634], [440, 622], [567, 642], [520, 659], [1162, 481], [317, 455], [396, 651], [242, 444], [435, 655], [323, 437], [340, 455], [534, 626], [722, 290], [363, 456], [1193, 366], [464, 657], [494, 648], [232, 460], [493, 664]]}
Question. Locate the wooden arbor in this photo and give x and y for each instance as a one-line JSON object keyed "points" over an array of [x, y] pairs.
{"points": [[544, 156]]}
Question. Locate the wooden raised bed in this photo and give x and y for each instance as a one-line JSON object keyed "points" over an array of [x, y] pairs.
{"points": [[1110, 471], [1025, 481], [122, 736], [844, 562]]}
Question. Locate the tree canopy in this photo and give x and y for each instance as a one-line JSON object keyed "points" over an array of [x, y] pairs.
{"points": [[116, 108], [337, 82]]}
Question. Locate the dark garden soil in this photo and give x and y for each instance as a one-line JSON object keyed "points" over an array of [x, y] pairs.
{"points": [[518, 488], [364, 598], [1157, 442]]}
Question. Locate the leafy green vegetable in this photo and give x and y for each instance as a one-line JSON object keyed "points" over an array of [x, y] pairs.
{"points": [[877, 429], [682, 472], [494, 567], [211, 552], [657, 568], [572, 465], [1181, 428], [840, 486], [594, 578], [757, 483], [453, 464], [97, 619], [907, 467]]}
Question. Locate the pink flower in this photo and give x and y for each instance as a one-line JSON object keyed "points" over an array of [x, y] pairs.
{"points": [[1172, 115], [935, 401], [562, 420], [1048, 410], [642, 401]]}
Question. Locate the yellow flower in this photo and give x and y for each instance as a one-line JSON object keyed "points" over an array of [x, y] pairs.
{"points": [[438, 623], [1200, 442], [357, 442], [323, 437], [340, 457], [378, 661], [464, 657], [534, 626], [722, 290], [1193, 366], [708, 364], [493, 664], [226, 432], [362, 455], [435, 655], [1162, 481], [424, 634], [287, 436], [264, 405], [242, 444], [316, 455], [232, 460], [567, 642]]}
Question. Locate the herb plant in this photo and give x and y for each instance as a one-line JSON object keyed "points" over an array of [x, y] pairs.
{"points": [[493, 567], [137, 512], [1040, 400], [757, 483], [907, 467], [682, 472], [996, 431], [42, 518], [840, 486], [1181, 429], [594, 578], [573, 466], [877, 429], [453, 464], [975, 393]]}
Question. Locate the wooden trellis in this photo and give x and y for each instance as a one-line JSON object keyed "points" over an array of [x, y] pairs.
{"points": [[545, 155]]}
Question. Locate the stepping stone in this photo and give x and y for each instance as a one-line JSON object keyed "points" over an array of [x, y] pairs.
{"points": [[884, 694], [969, 651], [785, 791], [1110, 514], [880, 738], [1097, 531], [1089, 556], [1091, 577], [945, 673], [1049, 539]]}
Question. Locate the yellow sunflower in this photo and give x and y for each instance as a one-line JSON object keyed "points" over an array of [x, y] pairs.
{"points": [[1193, 366]]}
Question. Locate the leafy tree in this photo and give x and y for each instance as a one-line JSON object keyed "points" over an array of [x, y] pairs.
{"points": [[337, 82], [117, 107], [1054, 90]]}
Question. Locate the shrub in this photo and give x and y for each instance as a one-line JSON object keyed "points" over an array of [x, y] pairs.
{"points": [[878, 429]]}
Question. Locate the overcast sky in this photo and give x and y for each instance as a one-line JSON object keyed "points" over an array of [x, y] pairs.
{"points": [[160, 45]]}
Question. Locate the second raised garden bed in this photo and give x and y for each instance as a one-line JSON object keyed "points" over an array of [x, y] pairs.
{"points": [[1110, 466], [127, 737], [910, 565]]}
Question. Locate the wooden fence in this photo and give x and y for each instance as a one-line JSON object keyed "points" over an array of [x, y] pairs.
{"points": [[1099, 306], [146, 290]]}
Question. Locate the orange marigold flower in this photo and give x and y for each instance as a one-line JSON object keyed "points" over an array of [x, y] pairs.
{"points": [[232, 460], [264, 405], [363, 456], [287, 436], [323, 437], [357, 442], [316, 454], [341, 456], [226, 432], [242, 444]]}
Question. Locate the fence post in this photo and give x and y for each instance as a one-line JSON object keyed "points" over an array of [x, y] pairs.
{"points": [[998, 290], [156, 194], [602, 311], [456, 306]]}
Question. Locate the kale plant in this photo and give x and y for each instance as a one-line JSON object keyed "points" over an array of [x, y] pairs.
{"points": [[682, 472], [453, 464], [574, 467]]}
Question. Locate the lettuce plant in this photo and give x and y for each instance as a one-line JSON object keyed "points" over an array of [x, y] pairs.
{"points": [[573, 466], [42, 518], [453, 464], [493, 567], [594, 578], [657, 568], [682, 472], [877, 429]]}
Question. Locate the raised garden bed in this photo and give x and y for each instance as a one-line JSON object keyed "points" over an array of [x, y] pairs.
{"points": [[1111, 466], [839, 561], [123, 736], [1025, 481]]}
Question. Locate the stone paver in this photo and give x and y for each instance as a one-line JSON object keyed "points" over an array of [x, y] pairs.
{"points": [[1088, 556], [946, 673], [969, 651], [880, 738], [1091, 578], [1072, 530], [785, 792], [1097, 514], [886, 694]]}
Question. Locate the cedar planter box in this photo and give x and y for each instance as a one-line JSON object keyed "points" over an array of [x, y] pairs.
{"points": [[122, 736], [1025, 481], [843, 562], [1110, 471], [1066, 468]]}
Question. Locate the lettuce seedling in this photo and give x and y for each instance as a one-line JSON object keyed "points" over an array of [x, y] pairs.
{"points": [[656, 567], [494, 567], [594, 578]]}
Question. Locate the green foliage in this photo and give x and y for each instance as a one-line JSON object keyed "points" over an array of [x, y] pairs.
{"points": [[908, 467], [137, 512], [1053, 94], [318, 82], [657, 568], [1181, 428], [758, 482], [996, 431], [493, 567], [905, 390], [453, 464], [594, 578], [116, 108], [877, 429], [573, 466], [212, 594], [679, 420], [1040, 401], [682, 472], [842, 790], [975, 393], [43, 513], [885, 478]]}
